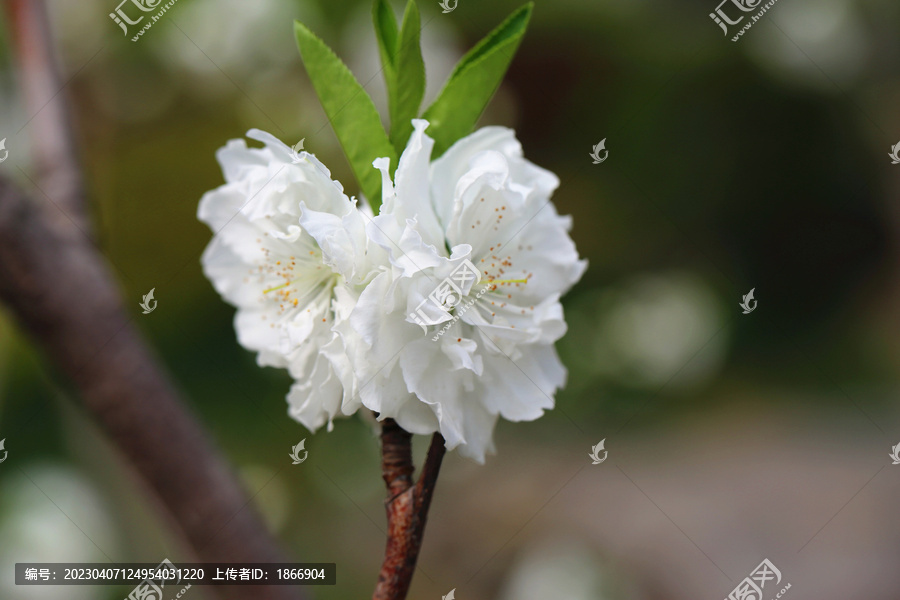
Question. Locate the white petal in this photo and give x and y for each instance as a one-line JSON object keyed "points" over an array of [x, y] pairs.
{"points": [[342, 240], [413, 173], [316, 399], [528, 384], [387, 186]]}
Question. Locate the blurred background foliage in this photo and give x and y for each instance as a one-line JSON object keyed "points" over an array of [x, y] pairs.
{"points": [[758, 164]]}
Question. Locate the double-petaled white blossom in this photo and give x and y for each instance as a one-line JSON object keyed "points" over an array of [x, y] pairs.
{"points": [[279, 228], [346, 319], [481, 202]]}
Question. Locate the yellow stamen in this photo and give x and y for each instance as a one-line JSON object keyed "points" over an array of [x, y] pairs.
{"points": [[283, 285]]}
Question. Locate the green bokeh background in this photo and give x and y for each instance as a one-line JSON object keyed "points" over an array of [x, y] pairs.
{"points": [[759, 164]]}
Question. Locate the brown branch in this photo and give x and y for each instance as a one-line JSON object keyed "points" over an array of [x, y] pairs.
{"points": [[61, 291], [407, 507], [428, 478], [52, 137]]}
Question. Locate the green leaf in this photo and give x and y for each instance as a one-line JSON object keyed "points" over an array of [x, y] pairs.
{"points": [[408, 89], [403, 67], [474, 81], [386, 34], [350, 110]]}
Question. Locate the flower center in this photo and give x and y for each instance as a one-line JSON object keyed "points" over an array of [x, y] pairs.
{"points": [[299, 279]]}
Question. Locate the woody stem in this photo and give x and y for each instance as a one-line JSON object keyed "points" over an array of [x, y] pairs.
{"points": [[407, 507]]}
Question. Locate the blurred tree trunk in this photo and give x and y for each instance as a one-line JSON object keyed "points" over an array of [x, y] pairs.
{"points": [[59, 287]]}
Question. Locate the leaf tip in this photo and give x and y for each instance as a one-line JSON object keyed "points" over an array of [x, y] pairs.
{"points": [[412, 8], [525, 11]]}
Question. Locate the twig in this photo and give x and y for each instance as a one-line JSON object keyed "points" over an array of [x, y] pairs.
{"points": [[407, 507], [61, 291], [428, 478]]}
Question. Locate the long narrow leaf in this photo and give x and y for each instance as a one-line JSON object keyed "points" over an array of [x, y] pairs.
{"points": [[409, 79], [350, 110], [386, 34], [474, 81]]}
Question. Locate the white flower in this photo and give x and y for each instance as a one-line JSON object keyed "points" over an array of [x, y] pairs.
{"points": [[329, 293], [481, 202], [289, 253]]}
